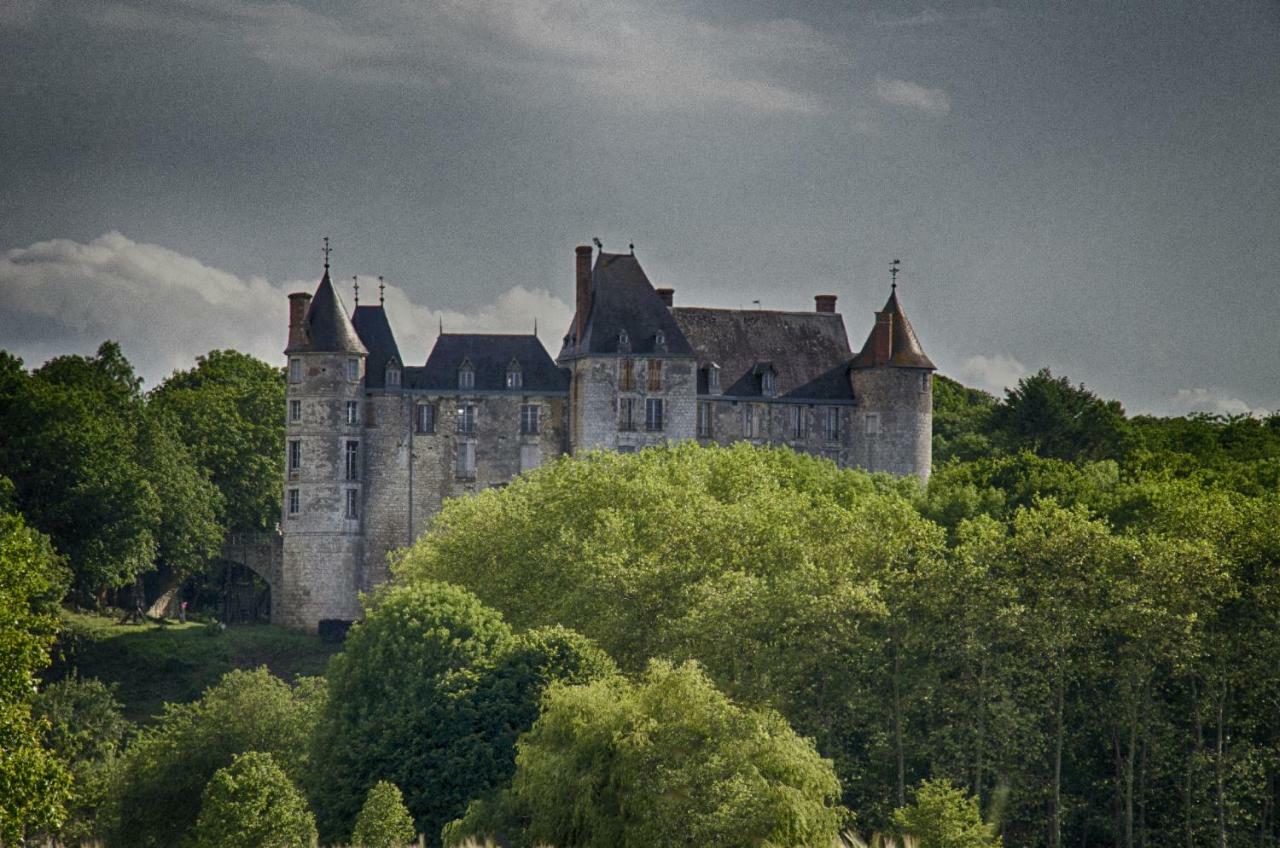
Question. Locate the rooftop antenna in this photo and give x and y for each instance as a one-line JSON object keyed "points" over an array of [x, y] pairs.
{"points": [[633, 248], [355, 284], [535, 325], [599, 244], [441, 317], [893, 272], [382, 291], [326, 250], [756, 303]]}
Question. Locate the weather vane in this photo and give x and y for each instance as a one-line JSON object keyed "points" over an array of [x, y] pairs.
{"points": [[326, 250], [382, 291], [893, 272], [355, 284]]}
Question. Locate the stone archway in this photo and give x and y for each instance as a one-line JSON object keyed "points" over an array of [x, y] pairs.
{"points": [[244, 557]]}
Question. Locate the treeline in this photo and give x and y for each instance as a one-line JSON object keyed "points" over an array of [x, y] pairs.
{"points": [[128, 483]]}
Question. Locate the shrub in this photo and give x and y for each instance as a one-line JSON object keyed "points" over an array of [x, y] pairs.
{"points": [[384, 821], [252, 802]]}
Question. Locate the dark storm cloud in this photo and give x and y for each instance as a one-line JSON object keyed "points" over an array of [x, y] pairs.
{"points": [[1098, 193]]}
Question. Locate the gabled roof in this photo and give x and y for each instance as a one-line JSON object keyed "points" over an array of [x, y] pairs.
{"points": [[622, 298], [328, 329], [808, 351], [489, 356], [371, 325], [904, 348]]}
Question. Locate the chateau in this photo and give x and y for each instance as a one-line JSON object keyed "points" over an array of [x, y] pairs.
{"points": [[374, 446]]}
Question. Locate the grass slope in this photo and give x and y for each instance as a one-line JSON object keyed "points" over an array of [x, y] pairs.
{"points": [[164, 661]]}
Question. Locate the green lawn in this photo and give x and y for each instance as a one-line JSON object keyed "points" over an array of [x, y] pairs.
{"points": [[158, 662]]}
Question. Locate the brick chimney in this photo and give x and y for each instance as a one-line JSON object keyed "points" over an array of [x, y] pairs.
{"points": [[299, 302], [824, 302], [667, 295], [883, 349], [583, 304]]}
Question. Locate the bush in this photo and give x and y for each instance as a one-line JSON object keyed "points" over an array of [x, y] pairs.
{"points": [[384, 821], [252, 802], [944, 816]]}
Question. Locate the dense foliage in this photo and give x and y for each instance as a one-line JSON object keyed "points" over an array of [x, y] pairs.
{"points": [[663, 762], [942, 816], [252, 802], [34, 785], [430, 693], [156, 799], [384, 821]]}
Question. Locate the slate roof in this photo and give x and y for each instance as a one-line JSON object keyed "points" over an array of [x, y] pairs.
{"points": [[808, 351], [623, 299], [371, 325], [328, 328], [489, 355], [905, 350]]}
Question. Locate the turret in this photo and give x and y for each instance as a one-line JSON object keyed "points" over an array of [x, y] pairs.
{"points": [[322, 516], [892, 382]]}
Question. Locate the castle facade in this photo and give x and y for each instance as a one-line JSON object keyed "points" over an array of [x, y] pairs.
{"points": [[375, 446]]}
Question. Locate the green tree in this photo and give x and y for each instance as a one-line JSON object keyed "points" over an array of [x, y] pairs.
{"points": [[943, 816], [34, 786], [157, 794], [667, 761], [231, 409], [961, 421], [1052, 418], [86, 730], [430, 692], [384, 821], [253, 802]]}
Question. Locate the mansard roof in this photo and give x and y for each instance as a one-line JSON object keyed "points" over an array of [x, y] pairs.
{"points": [[328, 329], [904, 348], [622, 298], [489, 356], [808, 351], [371, 324]]}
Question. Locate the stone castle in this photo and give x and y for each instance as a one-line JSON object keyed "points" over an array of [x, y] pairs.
{"points": [[375, 446]]}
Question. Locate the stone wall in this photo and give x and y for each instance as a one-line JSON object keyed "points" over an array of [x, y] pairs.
{"points": [[773, 426], [598, 399], [903, 400]]}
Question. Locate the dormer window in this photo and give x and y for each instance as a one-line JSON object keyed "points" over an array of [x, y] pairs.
{"points": [[624, 342], [767, 383], [466, 375], [660, 341], [393, 375], [713, 379], [515, 376]]}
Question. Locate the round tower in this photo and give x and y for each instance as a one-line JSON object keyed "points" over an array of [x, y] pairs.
{"points": [[893, 395], [324, 433]]}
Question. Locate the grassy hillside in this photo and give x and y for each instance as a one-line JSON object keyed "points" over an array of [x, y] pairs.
{"points": [[156, 662]]}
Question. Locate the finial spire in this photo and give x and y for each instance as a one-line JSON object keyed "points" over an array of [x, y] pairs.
{"points": [[326, 250], [633, 248], [441, 318], [535, 325], [355, 284], [599, 244], [893, 272], [382, 291]]}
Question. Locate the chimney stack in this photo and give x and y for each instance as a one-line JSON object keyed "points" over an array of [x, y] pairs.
{"points": [[299, 303], [583, 304], [667, 295], [824, 302], [883, 348]]}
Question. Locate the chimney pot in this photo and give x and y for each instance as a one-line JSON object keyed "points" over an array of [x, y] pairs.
{"points": [[582, 306], [667, 295], [299, 303], [824, 302], [883, 349]]}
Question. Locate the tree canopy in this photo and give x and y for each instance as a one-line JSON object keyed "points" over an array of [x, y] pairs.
{"points": [[384, 822], [253, 802]]}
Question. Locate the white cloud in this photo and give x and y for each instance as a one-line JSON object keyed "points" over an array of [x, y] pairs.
{"points": [[993, 374], [933, 101], [625, 53], [1211, 400], [164, 308]]}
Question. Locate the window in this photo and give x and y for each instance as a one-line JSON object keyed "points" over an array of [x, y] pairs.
{"points": [[426, 418], [465, 467], [295, 410], [624, 341], [655, 375], [713, 379], [466, 419], [627, 414], [353, 412], [799, 423], [872, 424], [353, 510], [295, 455], [529, 413], [748, 422], [294, 504], [833, 424], [653, 414], [767, 383], [660, 340], [704, 420], [353, 369], [626, 448], [295, 370], [352, 455], [924, 381], [515, 378], [393, 376], [466, 377], [626, 375]]}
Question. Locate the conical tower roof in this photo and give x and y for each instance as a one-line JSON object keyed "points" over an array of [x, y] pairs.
{"points": [[328, 328], [904, 350]]}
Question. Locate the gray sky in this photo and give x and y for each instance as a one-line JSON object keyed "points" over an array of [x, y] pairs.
{"points": [[1094, 187]]}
